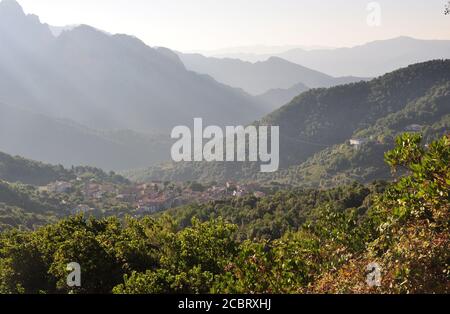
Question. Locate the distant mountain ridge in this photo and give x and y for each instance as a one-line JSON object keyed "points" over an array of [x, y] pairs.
{"points": [[260, 77], [371, 59], [279, 96]]}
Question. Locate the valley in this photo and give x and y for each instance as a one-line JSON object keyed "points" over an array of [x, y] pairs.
{"points": [[305, 167]]}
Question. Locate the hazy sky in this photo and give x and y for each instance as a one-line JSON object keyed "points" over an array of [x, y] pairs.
{"points": [[214, 24]]}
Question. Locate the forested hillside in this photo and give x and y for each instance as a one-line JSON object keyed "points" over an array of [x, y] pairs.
{"points": [[317, 126], [26, 171], [270, 217], [21, 207], [343, 163], [293, 242], [18, 169]]}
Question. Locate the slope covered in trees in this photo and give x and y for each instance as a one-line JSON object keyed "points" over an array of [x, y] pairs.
{"points": [[26, 171], [21, 207], [343, 163], [17, 169], [316, 127], [403, 227]]}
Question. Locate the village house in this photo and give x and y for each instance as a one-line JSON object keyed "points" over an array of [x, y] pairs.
{"points": [[240, 192], [142, 188], [129, 194], [90, 189], [358, 142], [59, 187], [98, 195], [151, 206]]}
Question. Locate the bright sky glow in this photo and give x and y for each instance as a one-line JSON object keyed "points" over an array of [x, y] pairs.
{"points": [[212, 24]]}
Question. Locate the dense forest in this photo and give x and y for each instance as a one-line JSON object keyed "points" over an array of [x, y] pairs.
{"points": [[295, 241], [18, 169]]}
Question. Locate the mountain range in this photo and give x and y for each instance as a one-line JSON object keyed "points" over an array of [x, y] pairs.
{"points": [[107, 81], [81, 96], [275, 77], [371, 59], [261, 77], [86, 97]]}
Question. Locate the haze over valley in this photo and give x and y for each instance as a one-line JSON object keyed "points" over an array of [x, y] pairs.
{"points": [[115, 98]]}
